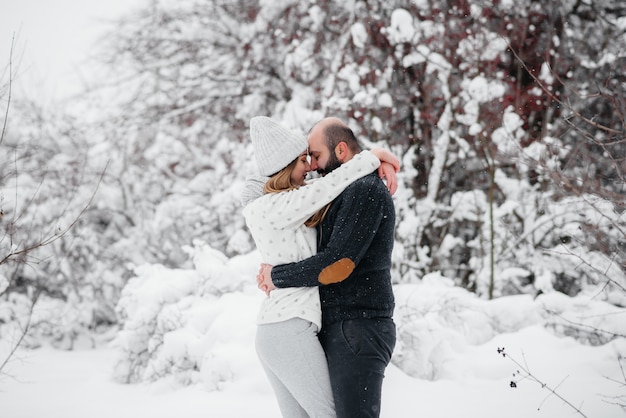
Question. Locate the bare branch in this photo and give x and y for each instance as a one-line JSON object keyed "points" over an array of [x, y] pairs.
{"points": [[6, 113], [547, 91], [23, 333], [57, 234], [527, 374]]}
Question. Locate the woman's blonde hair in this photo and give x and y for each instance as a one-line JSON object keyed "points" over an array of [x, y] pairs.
{"points": [[281, 182], [318, 216]]}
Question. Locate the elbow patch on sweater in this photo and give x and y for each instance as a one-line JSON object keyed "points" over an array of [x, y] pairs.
{"points": [[336, 272]]}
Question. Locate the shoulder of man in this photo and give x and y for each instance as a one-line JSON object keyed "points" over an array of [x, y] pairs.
{"points": [[364, 188], [365, 184]]}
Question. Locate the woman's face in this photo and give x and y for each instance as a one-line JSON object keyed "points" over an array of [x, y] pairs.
{"points": [[301, 169]]}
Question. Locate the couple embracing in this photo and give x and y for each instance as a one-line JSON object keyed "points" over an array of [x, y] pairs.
{"points": [[325, 331]]}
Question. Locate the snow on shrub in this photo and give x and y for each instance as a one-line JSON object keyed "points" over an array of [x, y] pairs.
{"points": [[438, 321], [189, 325], [197, 326]]}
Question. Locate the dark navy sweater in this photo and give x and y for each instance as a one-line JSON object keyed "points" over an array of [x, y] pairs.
{"points": [[354, 254]]}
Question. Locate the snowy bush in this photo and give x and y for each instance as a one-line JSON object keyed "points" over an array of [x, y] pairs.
{"points": [[189, 324], [197, 326], [438, 321]]}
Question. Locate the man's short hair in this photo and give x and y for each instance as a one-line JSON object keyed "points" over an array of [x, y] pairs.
{"points": [[336, 133]]}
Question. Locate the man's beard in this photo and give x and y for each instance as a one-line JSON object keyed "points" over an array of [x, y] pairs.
{"points": [[332, 163]]}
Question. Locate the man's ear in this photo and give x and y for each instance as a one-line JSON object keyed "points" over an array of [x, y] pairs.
{"points": [[341, 151]]}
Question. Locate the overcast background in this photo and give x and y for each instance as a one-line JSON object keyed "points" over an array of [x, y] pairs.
{"points": [[54, 40]]}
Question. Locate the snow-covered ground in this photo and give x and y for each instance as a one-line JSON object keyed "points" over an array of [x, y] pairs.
{"points": [[473, 380], [59, 384]]}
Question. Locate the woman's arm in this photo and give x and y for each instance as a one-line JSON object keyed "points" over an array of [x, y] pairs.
{"points": [[294, 207], [386, 156], [360, 213]]}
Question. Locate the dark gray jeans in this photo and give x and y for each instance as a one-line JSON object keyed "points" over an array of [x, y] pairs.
{"points": [[358, 352]]}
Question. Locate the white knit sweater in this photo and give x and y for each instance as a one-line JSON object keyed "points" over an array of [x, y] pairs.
{"points": [[276, 222]]}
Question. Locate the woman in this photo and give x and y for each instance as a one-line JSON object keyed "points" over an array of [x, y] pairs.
{"points": [[289, 319]]}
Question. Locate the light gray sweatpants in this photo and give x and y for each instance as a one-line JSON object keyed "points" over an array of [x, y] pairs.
{"points": [[296, 366]]}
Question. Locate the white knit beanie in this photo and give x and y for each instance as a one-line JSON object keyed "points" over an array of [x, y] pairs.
{"points": [[274, 145]]}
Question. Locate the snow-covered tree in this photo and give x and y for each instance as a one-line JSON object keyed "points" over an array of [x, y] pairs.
{"points": [[507, 116]]}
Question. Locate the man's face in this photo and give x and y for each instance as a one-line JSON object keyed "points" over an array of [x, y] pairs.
{"points": [[322, 159]]}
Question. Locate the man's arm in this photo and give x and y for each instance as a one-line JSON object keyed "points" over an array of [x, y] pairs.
{"points": [[356, 223]]}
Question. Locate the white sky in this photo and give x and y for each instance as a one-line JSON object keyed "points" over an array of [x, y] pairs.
{"points": [[53, 41]]}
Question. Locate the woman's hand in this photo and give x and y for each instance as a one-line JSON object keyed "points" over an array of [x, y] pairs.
{"points": [[264, 279], [387, 171], [389, 166]]}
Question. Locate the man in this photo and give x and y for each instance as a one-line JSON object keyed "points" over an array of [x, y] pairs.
{"points": [[352, 268]]}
